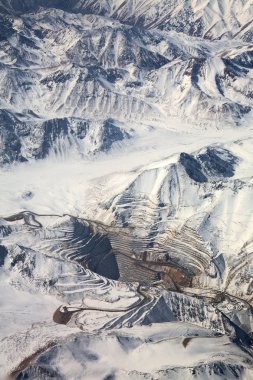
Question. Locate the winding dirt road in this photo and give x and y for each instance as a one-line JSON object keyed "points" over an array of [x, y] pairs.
{"points": [[63, 317]]}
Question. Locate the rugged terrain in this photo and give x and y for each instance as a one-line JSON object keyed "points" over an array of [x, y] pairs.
{"points": [[81, 72], [126, 189]]}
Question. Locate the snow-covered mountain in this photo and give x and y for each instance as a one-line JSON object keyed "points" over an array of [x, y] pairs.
{"points": [[46, 255], [64, 70], [208, 19], [126, 189]]}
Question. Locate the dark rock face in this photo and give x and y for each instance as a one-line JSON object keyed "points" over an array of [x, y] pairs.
{"points": [[10, 145], [192, 167], [52, 129], [43, 137], [215, 163], [6, 29], [218, 162], [3, 254], [244, 60], [111, 133], [105, 265], [98, 253], [219, 262]]}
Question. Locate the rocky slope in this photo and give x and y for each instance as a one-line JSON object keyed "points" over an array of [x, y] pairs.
{"points": [[66, 71], [50, 255], [126, 189]]}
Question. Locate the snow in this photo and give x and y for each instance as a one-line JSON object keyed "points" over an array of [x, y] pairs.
{"points": [[22, 309], [26, 324], [143, 350], [63, 184], [140, 181], [68, 184]]}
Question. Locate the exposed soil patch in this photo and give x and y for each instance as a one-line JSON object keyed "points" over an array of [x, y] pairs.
{"points": [[62, 318]]}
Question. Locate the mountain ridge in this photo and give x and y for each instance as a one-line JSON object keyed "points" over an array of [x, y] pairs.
{"points": [[126, 182], [99, 68]]}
